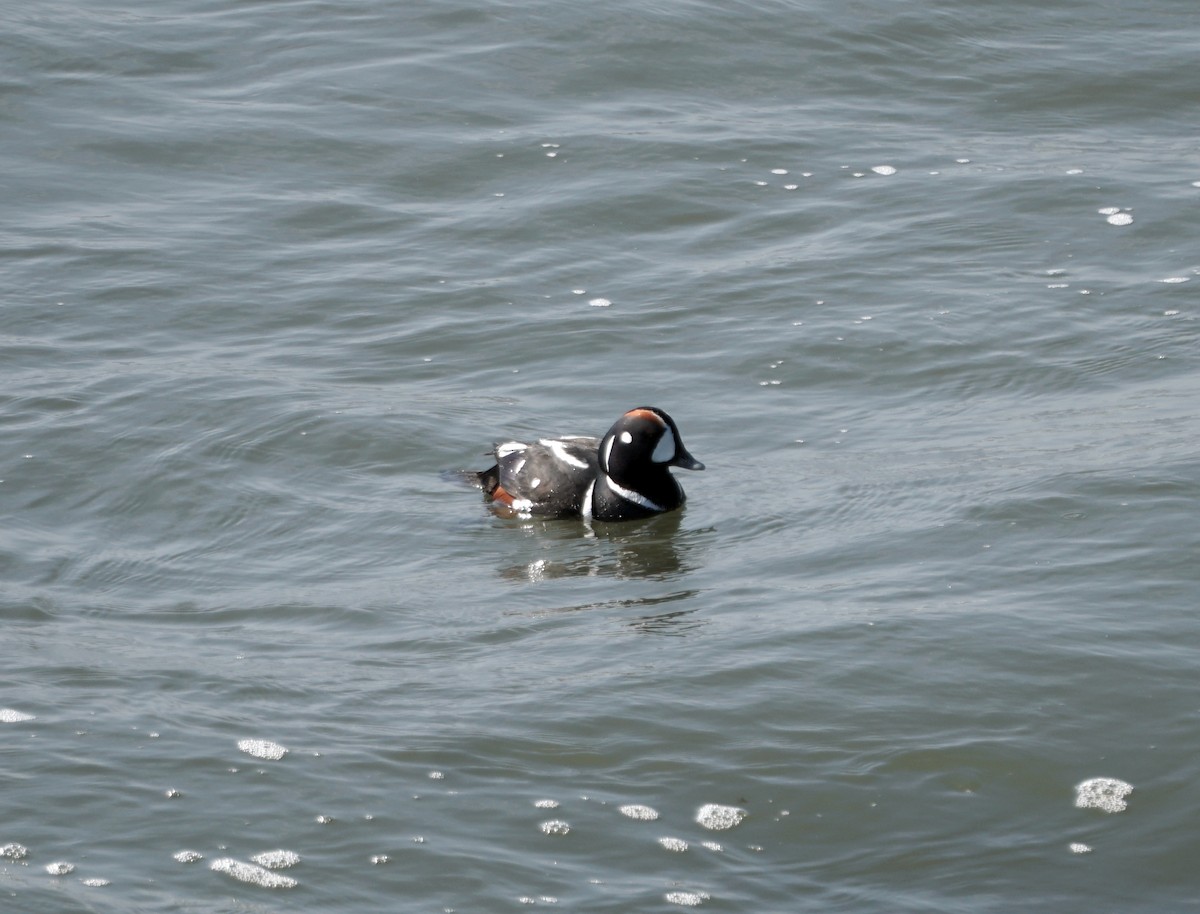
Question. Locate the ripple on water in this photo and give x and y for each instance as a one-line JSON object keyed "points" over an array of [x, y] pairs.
{"points": [[1107, 794]]}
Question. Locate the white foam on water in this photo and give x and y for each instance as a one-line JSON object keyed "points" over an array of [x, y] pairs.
{"points": [[95, 882], [884, 169], [716, 817], [60, 868], [276, 860], [599, 302], [1107, 794], [546, 804], [186, 856], [1119, 219], [1074, 171], [555, 827], [678, 845], [261, 748], [1175, 279], [1109, 210], [14, 851], [437, 775], [779, 171], [12, 716], [251, 874], [1079, 848], [687, 899], [714, 846], [636, 811]]}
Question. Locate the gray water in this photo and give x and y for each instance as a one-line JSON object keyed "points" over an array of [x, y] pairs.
{"points": [[917, 281]]}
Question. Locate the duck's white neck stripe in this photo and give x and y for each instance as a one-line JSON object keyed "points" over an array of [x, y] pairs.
{"points": [[630, 495]]}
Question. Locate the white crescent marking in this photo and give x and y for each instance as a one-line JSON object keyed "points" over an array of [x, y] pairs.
{"points": [[664, 451]]}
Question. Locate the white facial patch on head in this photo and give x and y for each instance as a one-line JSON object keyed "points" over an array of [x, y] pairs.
{"points": [[626, 438], [664, 451]]}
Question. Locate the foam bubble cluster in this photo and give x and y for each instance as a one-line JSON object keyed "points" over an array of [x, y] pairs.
{"points": [[555, 827], [636, 811], [1102, 793], [678, 845], [12, 716], [884, 169], [14, 852], [715, 817], [261, 748], [276, 860], [60, 868], [687, 899], [186, 856], [251, 874], [546, 804], [1080, 848]]}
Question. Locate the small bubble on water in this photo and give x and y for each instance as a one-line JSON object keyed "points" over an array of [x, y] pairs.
{"points": [[1074, 171], [779, 171], [1078, 847], [599, 302], [884, 169]]}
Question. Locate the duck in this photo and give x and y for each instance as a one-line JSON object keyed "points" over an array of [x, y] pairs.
{"points": [[624, 475]]}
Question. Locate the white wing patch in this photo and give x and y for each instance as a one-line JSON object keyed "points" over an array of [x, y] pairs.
{"points": [[560, 451], [626, 438], [509, 447], [665, 449]]}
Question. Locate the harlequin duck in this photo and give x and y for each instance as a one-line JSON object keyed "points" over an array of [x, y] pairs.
{"points": [[622, 476]]}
